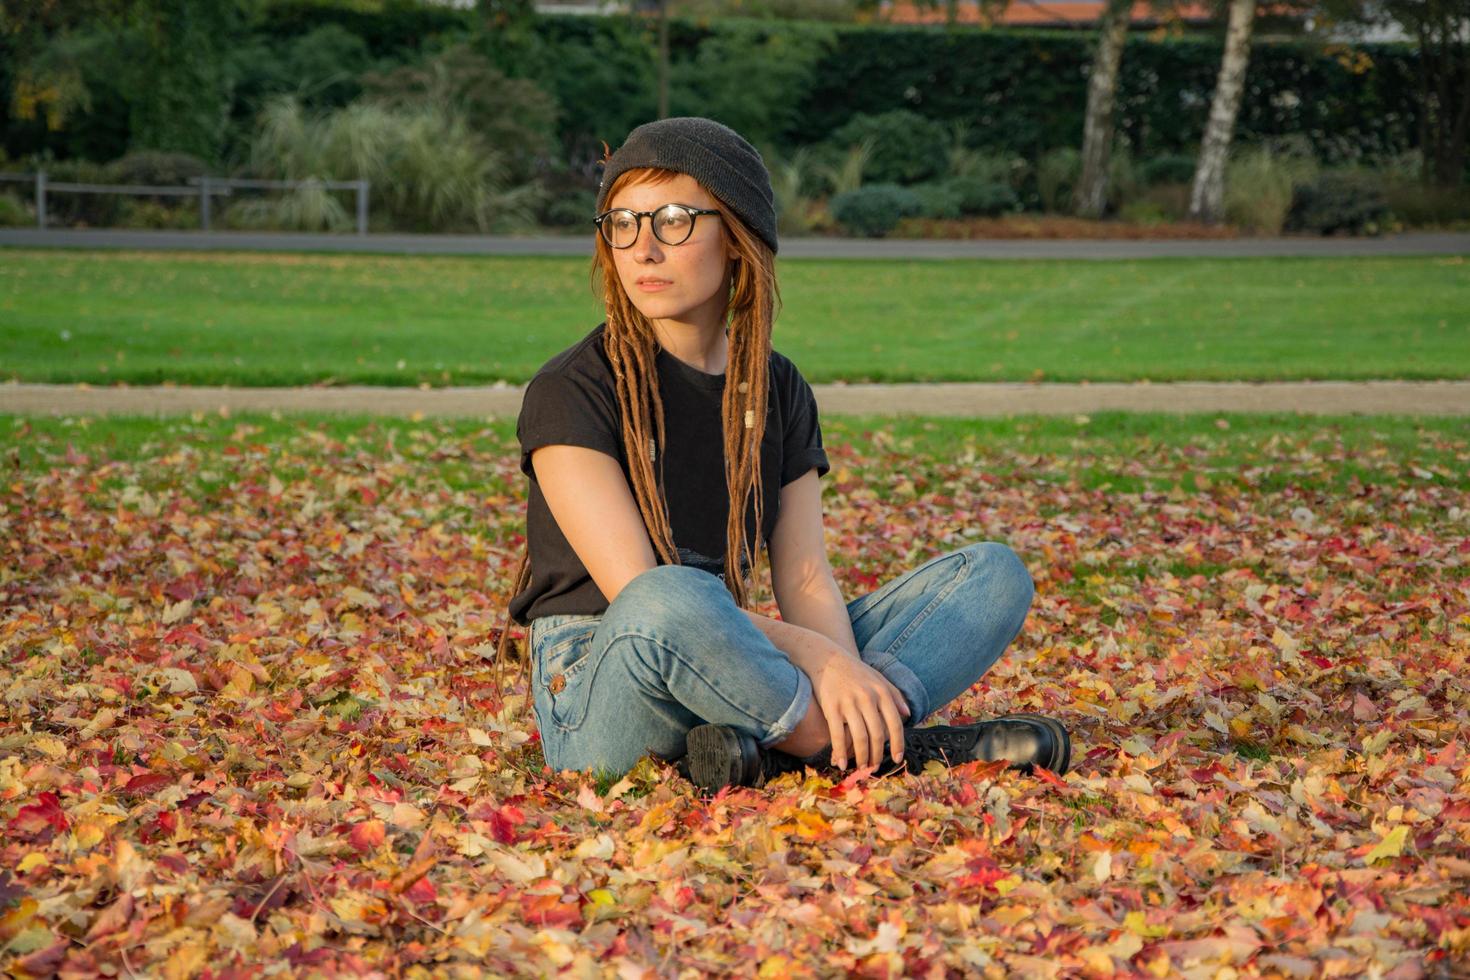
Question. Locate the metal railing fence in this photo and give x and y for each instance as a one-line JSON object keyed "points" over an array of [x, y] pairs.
{"points": [[204, 188]]}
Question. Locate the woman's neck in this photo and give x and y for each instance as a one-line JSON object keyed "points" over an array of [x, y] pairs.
{"points": [[704, 348]]}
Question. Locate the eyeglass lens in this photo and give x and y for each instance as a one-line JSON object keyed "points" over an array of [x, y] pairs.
{"points": [[671, 223]]}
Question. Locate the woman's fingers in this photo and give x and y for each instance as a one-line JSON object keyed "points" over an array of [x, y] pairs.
{"points": [[857, 724], [900, 700], [895, 729], [836, 729]]}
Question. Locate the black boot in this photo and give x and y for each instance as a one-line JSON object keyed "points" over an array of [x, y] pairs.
{"points": [[720, 755], [1026, 739]]}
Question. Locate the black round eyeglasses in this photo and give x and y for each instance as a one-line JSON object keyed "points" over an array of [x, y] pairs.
{"points": [[672, 224]]}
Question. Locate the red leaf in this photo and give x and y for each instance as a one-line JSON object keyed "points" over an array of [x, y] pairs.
{"points": [[366, 835], [148, 783], [46, 812]]}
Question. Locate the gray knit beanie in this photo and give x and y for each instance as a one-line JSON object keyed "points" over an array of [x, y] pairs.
{"points": [[710, 152]]}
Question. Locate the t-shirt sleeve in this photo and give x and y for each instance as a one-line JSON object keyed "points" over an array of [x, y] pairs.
{"points": [[802, 448], [564, 409]]}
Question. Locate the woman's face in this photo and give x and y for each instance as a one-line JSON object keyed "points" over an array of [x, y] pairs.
{"points": [[696, 271]]}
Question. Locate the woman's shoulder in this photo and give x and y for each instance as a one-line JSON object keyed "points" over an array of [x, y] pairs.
{"points": [[585, 360], [785, 374]]}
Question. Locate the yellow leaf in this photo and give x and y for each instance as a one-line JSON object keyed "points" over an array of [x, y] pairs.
{"points": [[1392, 845], [1004, 885], [1134, 922]]}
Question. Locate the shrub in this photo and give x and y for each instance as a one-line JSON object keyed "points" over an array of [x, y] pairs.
{"points": [[1420, 205], [1170, 168], [1259, 186], [1144, 212], [938, 199], [14, 213], [907, 148], [1125, 181], [73, 208], [790, 180], [156, 167], [834, 169], [1170, 199], [1349, 200], [569, 207], [873, 210], [428, 170], [983, 196], [1056, 175], [147, 212]]}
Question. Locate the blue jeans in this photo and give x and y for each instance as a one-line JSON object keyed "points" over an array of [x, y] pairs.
{"points": [[673, 651]]}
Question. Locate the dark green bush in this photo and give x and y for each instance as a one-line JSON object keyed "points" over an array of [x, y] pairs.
{"points": [[907, 148], [572, 208], [873, 210], [75, 208], [13, 212], [1170, 168], [984, 197], [1339, 200], [156, 167], [938, 199]]}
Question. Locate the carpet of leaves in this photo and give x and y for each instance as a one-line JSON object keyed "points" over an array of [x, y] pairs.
{"points": [[250, 726]]}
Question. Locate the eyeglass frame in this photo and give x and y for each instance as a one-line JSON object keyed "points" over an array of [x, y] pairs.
{"points": [[694, 214]]}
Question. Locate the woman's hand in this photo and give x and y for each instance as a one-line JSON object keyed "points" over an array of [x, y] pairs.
{"points": [[859, 699]]}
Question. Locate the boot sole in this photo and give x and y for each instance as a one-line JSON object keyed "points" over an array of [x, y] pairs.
{"points": [[715, 757], [1060, 738]]}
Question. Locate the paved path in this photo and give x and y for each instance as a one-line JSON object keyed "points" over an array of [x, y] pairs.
{"points": [[1412, 243], [1313, 397]]}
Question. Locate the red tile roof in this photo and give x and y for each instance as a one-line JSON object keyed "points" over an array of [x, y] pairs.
{"points": [[1042, 13]]}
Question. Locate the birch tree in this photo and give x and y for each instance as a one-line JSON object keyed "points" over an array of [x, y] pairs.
{"points": [[1207, 196]]}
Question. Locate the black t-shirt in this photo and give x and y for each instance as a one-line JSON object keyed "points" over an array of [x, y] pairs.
{"points": [[572, 400]]}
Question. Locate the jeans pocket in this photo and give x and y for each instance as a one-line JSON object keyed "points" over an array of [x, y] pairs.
{"points": [[564, 651]]}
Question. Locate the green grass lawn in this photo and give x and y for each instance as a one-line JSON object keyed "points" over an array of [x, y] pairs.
{"points": [[268, 319], [1125, 452]]}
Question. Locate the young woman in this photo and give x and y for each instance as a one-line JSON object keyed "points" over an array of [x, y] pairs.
{"points": [[637, 439]]}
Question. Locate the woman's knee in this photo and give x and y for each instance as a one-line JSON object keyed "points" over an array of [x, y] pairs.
{"points": [[1008, 581], [669, 594]]}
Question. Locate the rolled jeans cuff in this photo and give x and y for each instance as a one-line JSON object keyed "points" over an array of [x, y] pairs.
{"points": [[782, 727]]}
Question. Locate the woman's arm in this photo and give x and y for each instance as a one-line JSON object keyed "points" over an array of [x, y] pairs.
{"points": [[592, 504], [590, 499], [801, 578]]}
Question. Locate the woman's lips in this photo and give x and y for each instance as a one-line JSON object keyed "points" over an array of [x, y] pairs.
{"points": [[653, 286]]}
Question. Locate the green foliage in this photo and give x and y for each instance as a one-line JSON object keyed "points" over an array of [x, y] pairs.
{"points": [[1259, 186], [320, 67], [13, 212], [982, 196], [750, 77], [1057, 173], [873, 210], [428, 170], [514, 115], [1427, 205], [64, 208], [178, 84], [791, 181], [938, 199], [1168, 168], [1339, 200], [907, 148], [1125, 181], [150, 213], [156, 167]]}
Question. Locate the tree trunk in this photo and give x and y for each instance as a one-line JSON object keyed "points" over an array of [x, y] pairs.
{"points": [[1102, 97], [1207, 198]]}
